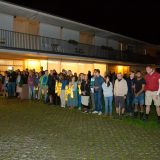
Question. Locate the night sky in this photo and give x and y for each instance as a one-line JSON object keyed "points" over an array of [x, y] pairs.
{"points": [[137, 19]]}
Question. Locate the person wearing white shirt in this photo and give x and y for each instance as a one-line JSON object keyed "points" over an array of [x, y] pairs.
{"points": [[108, 95]]}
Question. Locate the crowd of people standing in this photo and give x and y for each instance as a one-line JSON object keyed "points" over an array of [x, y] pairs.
{"points": [[132, 96]]}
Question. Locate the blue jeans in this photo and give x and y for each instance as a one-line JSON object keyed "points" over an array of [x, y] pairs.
{"points": [[98, 101], [139, 100], [108, 104], [31, 92], [130, 103], [11, 89]]}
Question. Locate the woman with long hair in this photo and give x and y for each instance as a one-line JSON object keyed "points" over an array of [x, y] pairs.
{"points": [[108, 95]]}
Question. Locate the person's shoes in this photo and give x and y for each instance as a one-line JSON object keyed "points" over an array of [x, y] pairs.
{"points": [[131, 114], [116, 116], [95, 112], [99, 113], [145, 118], [141, 115], [135, 114], [120, 117]]}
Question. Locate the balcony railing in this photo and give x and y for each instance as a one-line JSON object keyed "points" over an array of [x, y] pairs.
{"points": [[22, 41]]}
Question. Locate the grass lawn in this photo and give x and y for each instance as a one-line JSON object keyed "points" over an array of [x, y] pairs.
{"points": [[31, 130]]}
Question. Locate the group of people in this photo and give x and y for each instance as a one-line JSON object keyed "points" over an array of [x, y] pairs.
{"points": [[87, 91]]}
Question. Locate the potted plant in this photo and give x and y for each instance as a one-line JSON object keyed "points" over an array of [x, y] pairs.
{"points": [[73, 42]]}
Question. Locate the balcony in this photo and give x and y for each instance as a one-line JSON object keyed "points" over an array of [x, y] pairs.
{"points": [[27, 42]]}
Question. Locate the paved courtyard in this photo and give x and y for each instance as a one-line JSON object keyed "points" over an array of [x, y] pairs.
{"points": [[35, 131]]}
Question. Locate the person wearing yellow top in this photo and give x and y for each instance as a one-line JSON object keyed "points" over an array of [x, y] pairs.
{"points": [[73, 95]]}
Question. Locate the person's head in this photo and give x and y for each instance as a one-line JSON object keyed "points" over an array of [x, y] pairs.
{"points": [[31, 73], [119, 76], [85, 77], [75, 74], [94, 72], [69, 72], [46, 72], [107, 78], [139, 74], [97, 72], [37, 74], [54, 71], [63, 71], [89, 72], [51, 72], [41, 68], [19, 73], [132, 74], [73, 79], [81, 76], [149, 69]]}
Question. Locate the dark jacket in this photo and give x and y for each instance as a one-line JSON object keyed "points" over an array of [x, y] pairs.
{"points": [[85, 88]]}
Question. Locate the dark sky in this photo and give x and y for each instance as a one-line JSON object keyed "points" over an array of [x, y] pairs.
{"points": [[137, 19]]}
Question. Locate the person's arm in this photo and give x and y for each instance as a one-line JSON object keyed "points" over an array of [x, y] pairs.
{"points": [[158, 88], [142, 90], [125, 89], [115, 85]]}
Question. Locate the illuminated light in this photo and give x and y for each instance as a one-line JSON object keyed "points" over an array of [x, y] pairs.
{"points": [[10, 68], [120, 69], [33, 64]]}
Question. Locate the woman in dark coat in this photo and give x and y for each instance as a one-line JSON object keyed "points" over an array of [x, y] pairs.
{"points": [[85, 93]]}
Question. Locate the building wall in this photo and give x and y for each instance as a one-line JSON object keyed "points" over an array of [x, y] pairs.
{"points": [[25, 25], [6, 22], [99, 41], [136, 68], [68, 34], [48, 30], [112, 43], [87, 38], [118, 69]]}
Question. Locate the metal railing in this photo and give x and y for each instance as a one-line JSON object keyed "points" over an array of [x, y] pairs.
{"points": [[22, 41]]}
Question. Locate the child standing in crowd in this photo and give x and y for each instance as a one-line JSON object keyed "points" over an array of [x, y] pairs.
{"points": [[120, 93], [73, 97], [31, 85], [108, 95], [85, 92]]}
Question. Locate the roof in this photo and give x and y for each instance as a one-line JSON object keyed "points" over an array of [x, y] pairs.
{"points": [[16, 10]]}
